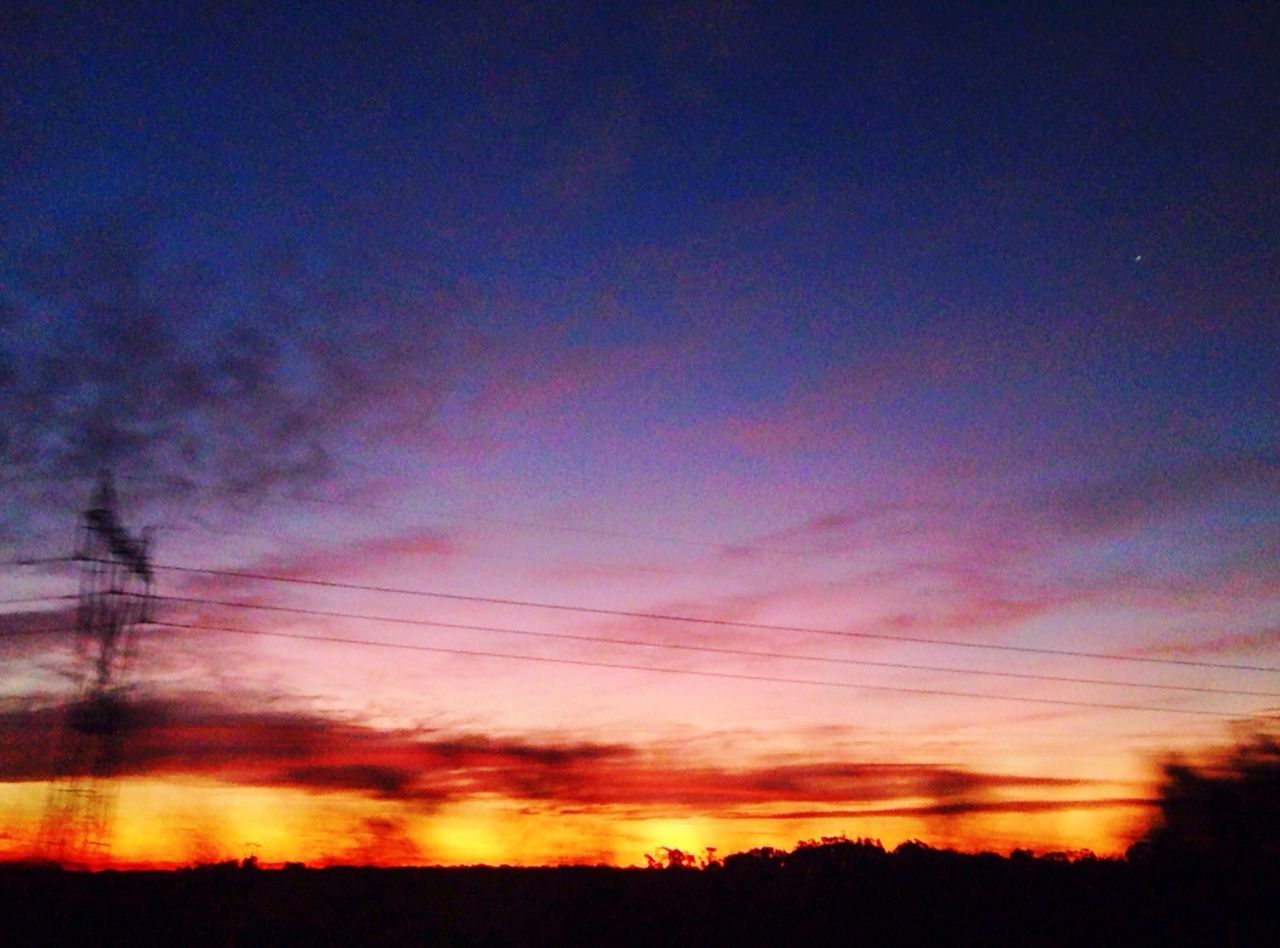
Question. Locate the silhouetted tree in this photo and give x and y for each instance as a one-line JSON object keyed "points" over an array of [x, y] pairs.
{"points": [[670, 858], [1228, 812], [755, 861]]}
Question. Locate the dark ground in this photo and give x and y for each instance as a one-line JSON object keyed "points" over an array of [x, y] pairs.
{"points": [[847, 894]]}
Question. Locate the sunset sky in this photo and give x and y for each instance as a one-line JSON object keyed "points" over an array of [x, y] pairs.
{"points": [[704, 425]]}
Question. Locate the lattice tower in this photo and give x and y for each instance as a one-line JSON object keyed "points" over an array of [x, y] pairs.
{"points": [[115, 598]]}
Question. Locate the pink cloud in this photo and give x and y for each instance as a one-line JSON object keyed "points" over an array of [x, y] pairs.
{"points": [[1230, 643], [354, 558]]}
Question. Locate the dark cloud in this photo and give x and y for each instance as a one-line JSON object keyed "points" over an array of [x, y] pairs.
{"points": [[383, 781], [313, 752], [324, 755], [36, 622], [479, 750], [26, 634], [961, 808], [122, 351], [378, 840], [1134, 499], [872, 782]]}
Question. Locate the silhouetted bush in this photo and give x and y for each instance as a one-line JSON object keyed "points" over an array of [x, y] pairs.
{"points": [[1226, 811], [833, 890]]}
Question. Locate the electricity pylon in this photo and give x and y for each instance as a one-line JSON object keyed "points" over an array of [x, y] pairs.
{"points": [[115, 598]]}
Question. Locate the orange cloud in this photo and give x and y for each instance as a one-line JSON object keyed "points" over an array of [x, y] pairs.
{"points": [[311, 752]]}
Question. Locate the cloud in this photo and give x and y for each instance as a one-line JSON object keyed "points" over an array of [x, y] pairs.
{"points": [[34, 632], [371, 553], [322, 755], [930, 527], [35, 622], [121, 353], [381, 780], [942, 561], [1136, 498], [956, 809], [971, 612], [1259, 641], [845, 408], [903, 568], [346, 562], [379, 840], [307, 751], [827, 782], [547, 378]]}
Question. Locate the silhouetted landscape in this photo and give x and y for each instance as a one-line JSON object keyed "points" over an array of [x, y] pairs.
{"points": [[1207, 874], [847, 891]]}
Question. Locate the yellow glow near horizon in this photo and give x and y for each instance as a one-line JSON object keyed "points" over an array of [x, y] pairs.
{"points": [[164, 823]]}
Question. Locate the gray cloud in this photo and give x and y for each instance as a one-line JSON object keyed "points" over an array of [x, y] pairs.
{"points": [[116, 350], [1134, 499]]}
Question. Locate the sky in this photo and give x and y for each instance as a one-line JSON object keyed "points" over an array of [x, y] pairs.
{"points": [[570, 432]]}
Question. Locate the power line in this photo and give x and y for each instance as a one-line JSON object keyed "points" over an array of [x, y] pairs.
{"points": [[298, 497], [735, 676], [38, 561], [26, 599], [716, 650], [728, 623], [724, 546]]}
